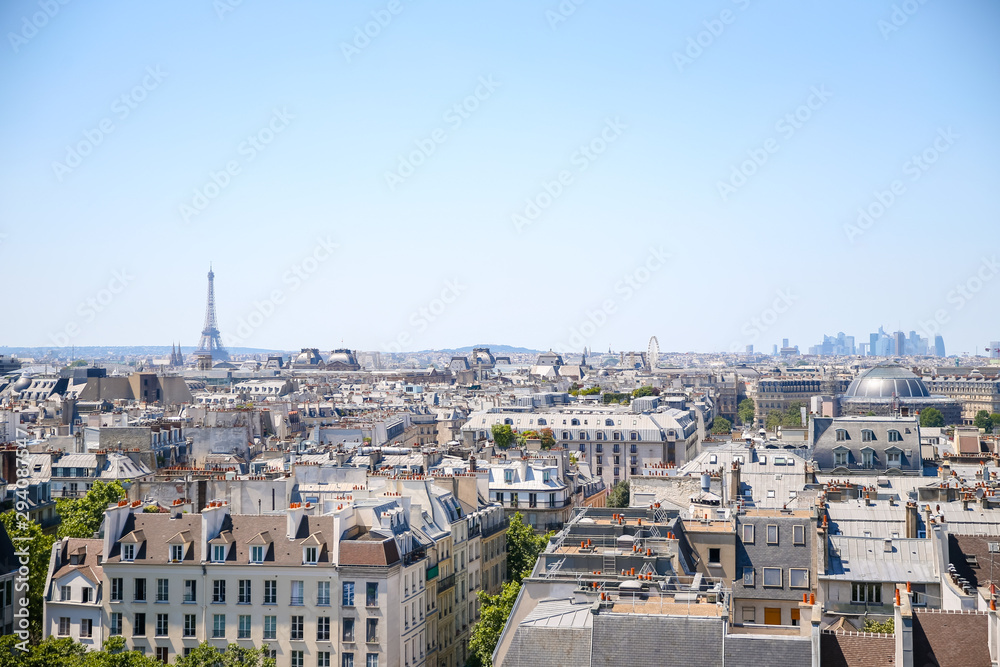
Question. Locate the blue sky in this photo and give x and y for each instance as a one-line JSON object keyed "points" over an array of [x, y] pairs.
{"points": [[634, 169]]}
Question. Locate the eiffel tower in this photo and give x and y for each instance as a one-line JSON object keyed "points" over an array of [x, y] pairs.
{"points": [[210, 342]]}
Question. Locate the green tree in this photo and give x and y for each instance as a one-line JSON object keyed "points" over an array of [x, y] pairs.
{"points": [[645, 391], [995, 418], [614, 397], [503, 435], [619, 495], [206, 655], [548, 438], [82, 517], [774, 418], [793, 415], [722, 425], [983, 421], [931, 418], [27, 536], [745, 411], [494, 612], [523, 547], [886, 627]]}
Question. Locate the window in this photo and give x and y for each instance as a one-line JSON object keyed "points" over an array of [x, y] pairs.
{"points": [[190, 590], [310, 555], [862, 593], [508, 476], [86, 627], [798, 534], [371, 630], [139, 590], [256, 554], [842, 435], [893, 458], [633, 436], [162, 590], [348, 594], [244, 591], [770, 493], [748, 576], [346, 660], [715, 556], [798, 578], [713, 459], [139, 625], [116, 624], [270, 627], [323, 629], [749, 614], [323, 659], [297, 593], [176, 553], [64, 626], [128, 552], [243, 627], [190, 625], [747, 533], [772, 576], [219, 590], [298, 659], [162, 625], [163, 652], [348, 629], [219, 625], [772, 533], [617, 449], [840, 457], [895, 436], [218, 553], [868, 457], [600, 435], [371, 594], [297, 630], [65, 593], [599, 448], [867, 435], [323, 593], [371, 660], [117, 589], [270, 591]]}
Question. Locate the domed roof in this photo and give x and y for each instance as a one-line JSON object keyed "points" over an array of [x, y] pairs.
{"points": [[887, 381], [22, 383]]}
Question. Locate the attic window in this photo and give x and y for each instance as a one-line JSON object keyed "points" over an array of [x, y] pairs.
{"points": [[310, 555], [218, 553], [256, 554], [176, 553], [128, 552]]}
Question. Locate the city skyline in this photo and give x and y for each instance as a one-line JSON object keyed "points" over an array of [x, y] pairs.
{"points": [[782, 171]]}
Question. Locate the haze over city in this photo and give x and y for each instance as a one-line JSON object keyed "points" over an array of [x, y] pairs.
{"points": [[716, 174]]}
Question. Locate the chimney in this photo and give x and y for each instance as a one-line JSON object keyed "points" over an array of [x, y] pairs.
{"points": [[993, 632], [734, 482], [903, 621], [912, 519], [295, 513]]}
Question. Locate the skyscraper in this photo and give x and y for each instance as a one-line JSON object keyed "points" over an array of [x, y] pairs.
{"points": [[939, 346], [211, 342]]}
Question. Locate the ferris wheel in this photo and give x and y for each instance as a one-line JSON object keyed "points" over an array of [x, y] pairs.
{"points": [[653, 352]]}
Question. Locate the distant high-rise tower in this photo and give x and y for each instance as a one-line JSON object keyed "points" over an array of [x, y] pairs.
{"points": [[210, 342], [939, 346], [900, 347]]}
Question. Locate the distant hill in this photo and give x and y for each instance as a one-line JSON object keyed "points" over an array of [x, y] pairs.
{"points": [[495, 349]]}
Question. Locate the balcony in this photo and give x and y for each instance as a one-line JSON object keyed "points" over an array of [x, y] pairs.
{"points": [[296, 600], [445, 583], [489, 531]]}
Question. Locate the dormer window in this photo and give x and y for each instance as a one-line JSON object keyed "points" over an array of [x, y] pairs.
{"points": [[218, 553], [895, 436], [867, 435], [842, 435], [508, 476], [257, 554], [176, 553], [310, 555], [128, 552], [546, 476]]}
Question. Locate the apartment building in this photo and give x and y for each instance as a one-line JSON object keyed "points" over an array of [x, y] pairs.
{"points": [[616, 445], [387, 577]]}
